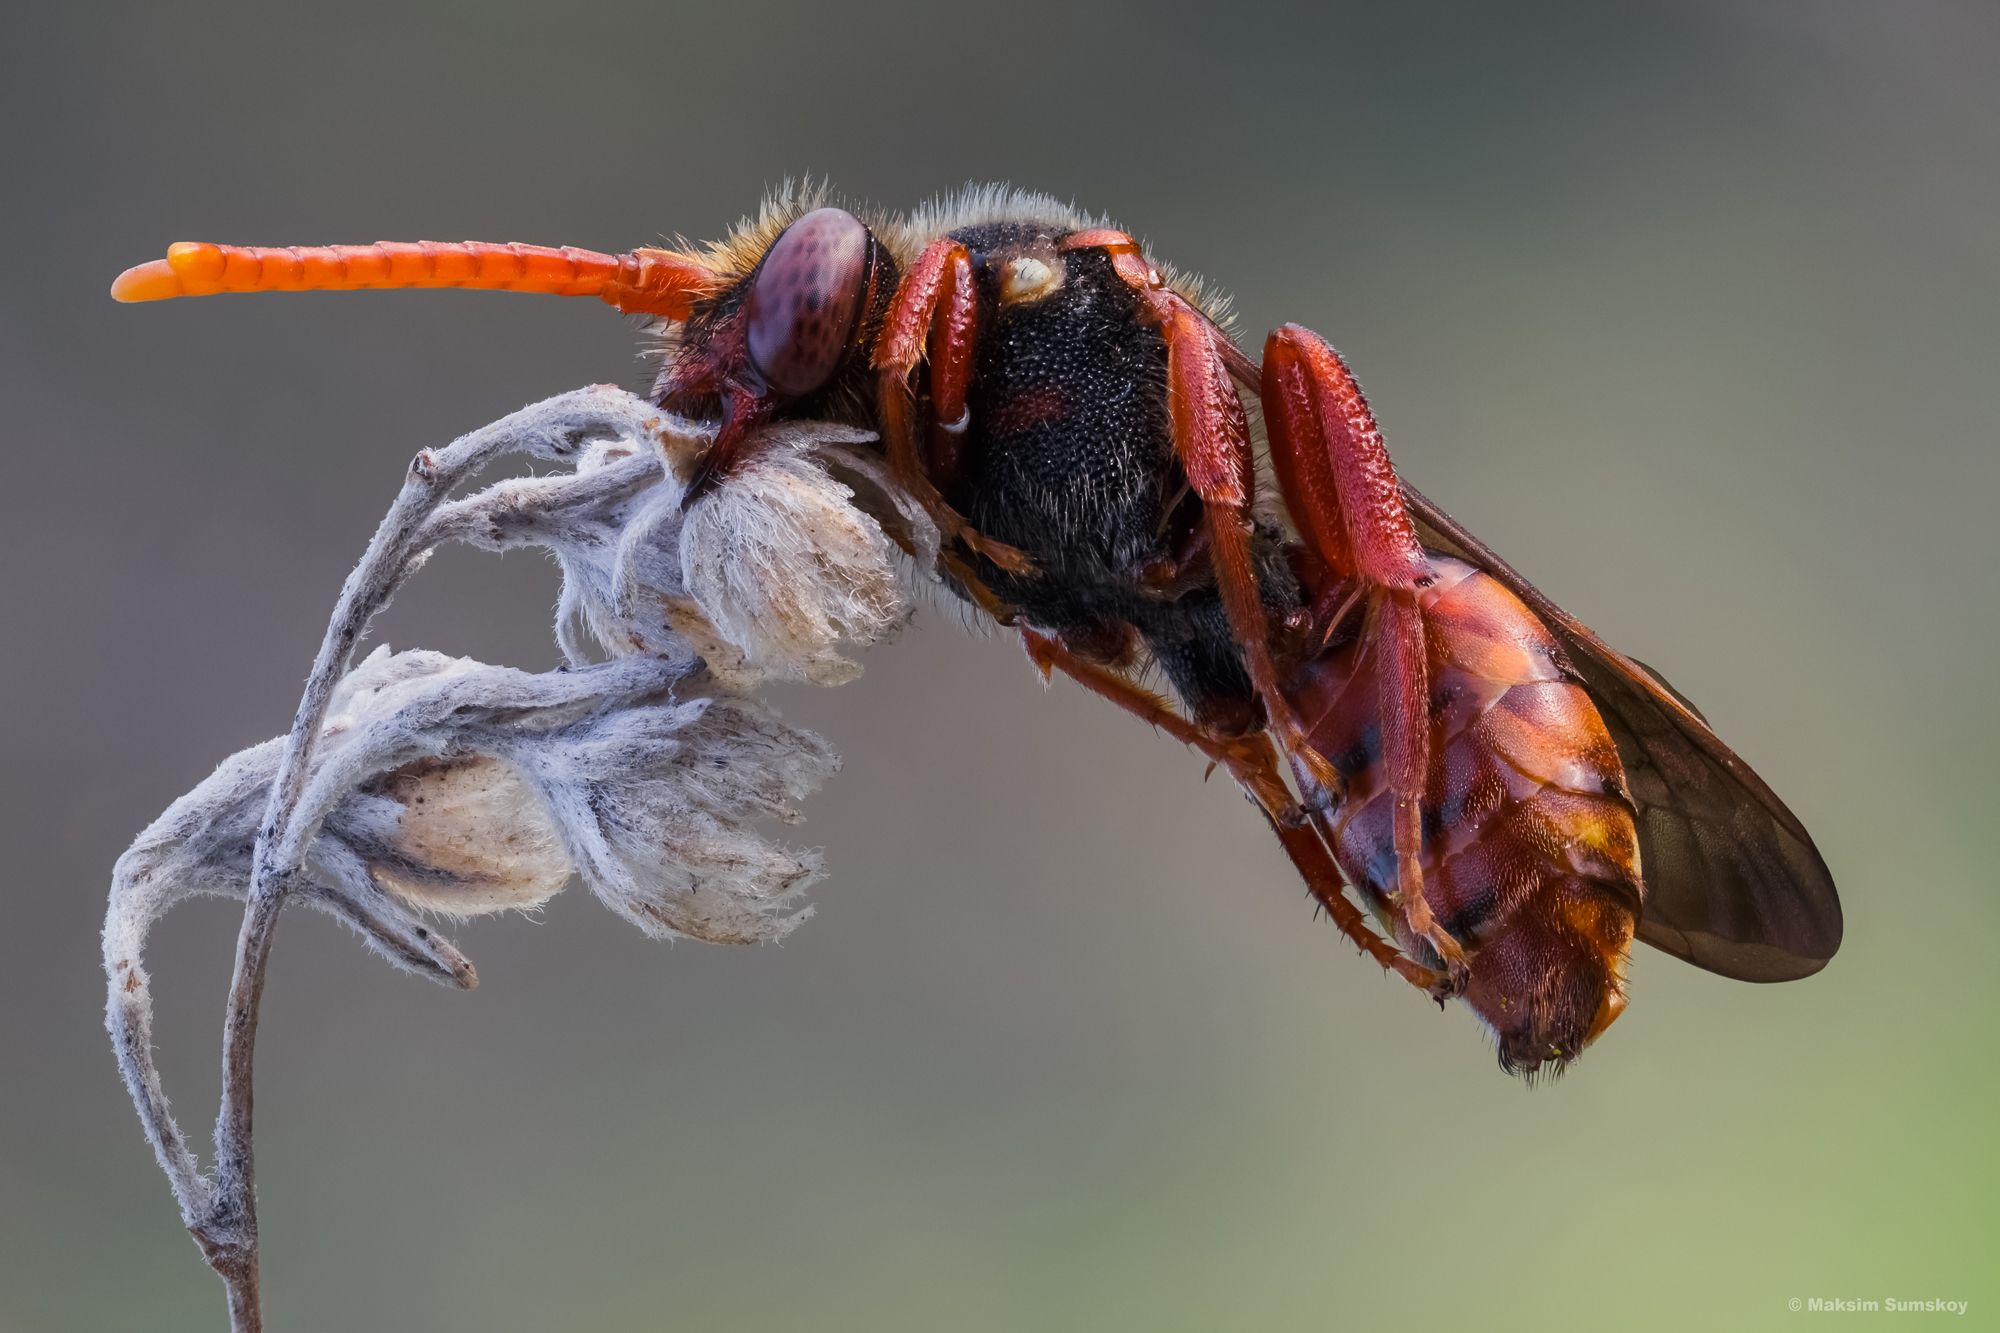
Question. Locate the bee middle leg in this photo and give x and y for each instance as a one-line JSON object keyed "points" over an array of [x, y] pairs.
{"points": [[1252, 761], [1211, 438]]}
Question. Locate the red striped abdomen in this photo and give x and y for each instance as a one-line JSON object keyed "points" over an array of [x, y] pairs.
{"points": [[1530, 857]]}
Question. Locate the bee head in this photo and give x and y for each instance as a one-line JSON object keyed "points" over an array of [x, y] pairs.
{"points": [[789, 330]]}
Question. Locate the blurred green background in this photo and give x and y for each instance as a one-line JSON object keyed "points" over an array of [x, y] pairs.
{"points": [[1690, 310]]}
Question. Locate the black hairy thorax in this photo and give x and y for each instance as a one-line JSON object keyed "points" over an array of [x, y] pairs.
{"points": [[1069, 457]]}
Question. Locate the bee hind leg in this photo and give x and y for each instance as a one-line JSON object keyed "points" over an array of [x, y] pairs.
{"points": [[1341, 489]]}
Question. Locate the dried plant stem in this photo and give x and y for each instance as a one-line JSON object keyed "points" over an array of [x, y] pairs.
{"points": [[643, 773], [221, 1212]]}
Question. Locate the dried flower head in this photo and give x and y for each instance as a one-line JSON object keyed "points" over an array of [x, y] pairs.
{"points": [[417, 783], [766, 574], [460, 788]]}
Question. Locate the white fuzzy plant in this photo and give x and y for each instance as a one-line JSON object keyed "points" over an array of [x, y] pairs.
{"points": [[417, 785]]}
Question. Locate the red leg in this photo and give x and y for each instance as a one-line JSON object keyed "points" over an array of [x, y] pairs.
{"points": [[954, 334], [1332, 467], [1342, 492], [982, 596], [935, 311], [1254, 765], [1212, 440]]}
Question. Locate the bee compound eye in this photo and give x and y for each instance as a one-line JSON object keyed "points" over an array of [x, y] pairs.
{"points": [[805, 299]]}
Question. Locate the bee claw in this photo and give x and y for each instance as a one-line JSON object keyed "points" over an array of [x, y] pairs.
{"points": [[1451, 982]]}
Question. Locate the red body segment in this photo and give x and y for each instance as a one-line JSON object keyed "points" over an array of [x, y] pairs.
{"points": [[1530, 857]]}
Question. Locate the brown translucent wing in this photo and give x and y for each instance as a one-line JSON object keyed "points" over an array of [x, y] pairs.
{"points": [[1733, 881]]}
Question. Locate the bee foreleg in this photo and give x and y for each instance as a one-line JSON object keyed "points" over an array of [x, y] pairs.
{"points": [[935, 314]]}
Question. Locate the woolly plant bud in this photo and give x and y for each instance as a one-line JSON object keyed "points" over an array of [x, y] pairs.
{"points": [[471, 838], [459, 788], [767, 572], [656, 806], [785, 570]]}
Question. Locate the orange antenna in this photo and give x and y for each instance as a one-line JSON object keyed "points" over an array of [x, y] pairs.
{"points": [[646, 282]]}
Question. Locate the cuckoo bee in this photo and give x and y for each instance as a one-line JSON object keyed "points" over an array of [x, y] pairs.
{"points": [[1512, 798]]}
